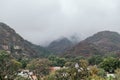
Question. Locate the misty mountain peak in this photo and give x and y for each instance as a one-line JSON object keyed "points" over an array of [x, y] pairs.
{"points": [[60, 45]]}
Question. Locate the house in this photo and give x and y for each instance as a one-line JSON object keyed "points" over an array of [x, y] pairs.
{"points": [[27, 74], [52, 69], [76, 65], [110, 75]]}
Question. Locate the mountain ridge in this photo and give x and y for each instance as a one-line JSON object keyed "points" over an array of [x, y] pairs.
{"points": [[13, 43], [60, 45], [102, 43]]}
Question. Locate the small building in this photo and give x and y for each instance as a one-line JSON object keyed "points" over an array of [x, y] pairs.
{"points": [[76, 65], [27, 74], [110, 75], [52, 69], [5, 47]]}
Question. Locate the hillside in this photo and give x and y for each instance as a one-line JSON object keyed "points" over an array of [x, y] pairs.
{"points": [[101, 43], [16, 45], [60, 45], [106, 40]]}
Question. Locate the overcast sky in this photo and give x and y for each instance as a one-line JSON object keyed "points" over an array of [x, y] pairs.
{"points": [[41, 21]]}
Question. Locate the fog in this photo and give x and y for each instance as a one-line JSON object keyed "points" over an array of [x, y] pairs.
{"points": [[42, 21]]}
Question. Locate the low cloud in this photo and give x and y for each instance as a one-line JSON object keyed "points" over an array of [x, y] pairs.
{"points": [[41, 21]]}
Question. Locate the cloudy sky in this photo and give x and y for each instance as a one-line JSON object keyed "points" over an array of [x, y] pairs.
{"points": [[41, 21]]}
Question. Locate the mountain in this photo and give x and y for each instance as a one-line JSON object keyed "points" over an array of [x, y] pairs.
{"points": [[60, 45], [13, 43], [101, 43], [107, 41], [85, 49]]}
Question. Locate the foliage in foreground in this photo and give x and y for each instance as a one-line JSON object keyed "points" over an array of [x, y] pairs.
{"points": [[8, 66], [93, 68], [39, 66]]}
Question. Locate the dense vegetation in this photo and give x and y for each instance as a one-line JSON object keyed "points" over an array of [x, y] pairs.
{"points": [[77, 68]]}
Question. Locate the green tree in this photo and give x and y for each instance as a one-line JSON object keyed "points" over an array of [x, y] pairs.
{"points": [[101, 72], [117, 74], [62, 74], [96, 77], [57, 61], [95, 60], [110, 64], [69, 64], [21, 78], [83, 66], [71, 72], [76, 59], [39, 66], [8, 66], [93, 70], [24, 62], [60, 62], [51, 76]]}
